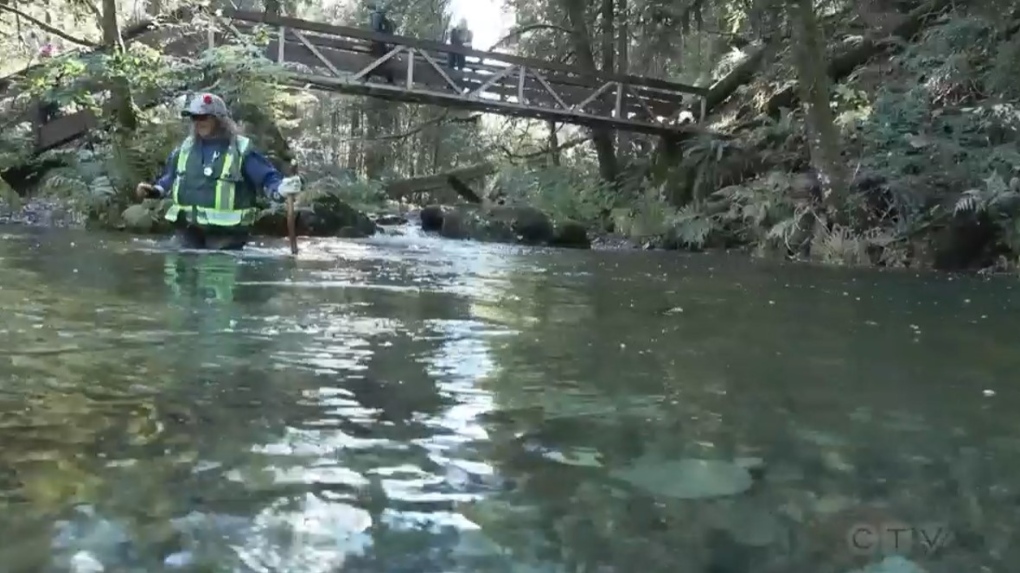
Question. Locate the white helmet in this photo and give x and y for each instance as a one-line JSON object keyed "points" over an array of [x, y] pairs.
{"points": [[206, 104]]}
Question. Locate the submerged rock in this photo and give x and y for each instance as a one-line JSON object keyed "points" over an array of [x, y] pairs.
{"points": [[85, 562], [687, 478], [892, 564]]}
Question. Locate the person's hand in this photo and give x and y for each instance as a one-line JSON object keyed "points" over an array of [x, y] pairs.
{"points": [[145, 190], [289, 187]]}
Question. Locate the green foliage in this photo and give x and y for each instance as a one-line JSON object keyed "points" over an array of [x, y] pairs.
{"points": [[362, 195], [16, 145], [704, 158], [563, 192]]}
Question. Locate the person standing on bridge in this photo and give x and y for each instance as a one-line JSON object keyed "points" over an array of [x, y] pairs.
{"points": [[380, 24], [460, 36], [213, 178], [49, 109]]}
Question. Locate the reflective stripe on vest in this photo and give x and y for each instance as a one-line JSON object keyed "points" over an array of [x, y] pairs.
{"points": [[223, 213]]}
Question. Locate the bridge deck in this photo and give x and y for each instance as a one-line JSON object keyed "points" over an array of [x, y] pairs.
{"points": [[337, 58]]}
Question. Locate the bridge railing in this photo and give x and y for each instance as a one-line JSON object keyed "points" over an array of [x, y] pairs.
{"points": [[339, 56]]}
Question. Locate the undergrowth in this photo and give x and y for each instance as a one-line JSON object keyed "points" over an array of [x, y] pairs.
{"points": [[930, 138]]}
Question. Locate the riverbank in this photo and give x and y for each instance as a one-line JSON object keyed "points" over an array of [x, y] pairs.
{"points": [[924, 177]]}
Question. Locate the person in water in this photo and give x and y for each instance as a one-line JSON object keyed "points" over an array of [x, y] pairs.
{"points": [[214, 178]]}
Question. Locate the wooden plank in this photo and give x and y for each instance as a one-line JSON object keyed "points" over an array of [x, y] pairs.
{"points": [[64, 129], [423, 96], [344, 31]]}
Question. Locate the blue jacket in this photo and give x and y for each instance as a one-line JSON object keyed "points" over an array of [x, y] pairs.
{"points": [[257, 170]]}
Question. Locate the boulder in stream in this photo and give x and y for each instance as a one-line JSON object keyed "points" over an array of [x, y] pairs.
{"points": [[145, 217], [503, 224], [571, 235], [323, 216], [432, 218], [498, 223]]}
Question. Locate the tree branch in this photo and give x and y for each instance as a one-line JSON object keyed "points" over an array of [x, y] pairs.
{"points": [[47, 28], [524, 30], [545, 150], [394, 136]]}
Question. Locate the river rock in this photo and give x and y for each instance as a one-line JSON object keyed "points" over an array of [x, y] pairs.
{"points": [[686, 478], [323, 216], [138, 219], [432, 218], [145, 217], [496, 223], [571, 234]]}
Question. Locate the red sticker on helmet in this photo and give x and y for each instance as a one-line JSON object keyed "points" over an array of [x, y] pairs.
{"points": [[207, 99]]}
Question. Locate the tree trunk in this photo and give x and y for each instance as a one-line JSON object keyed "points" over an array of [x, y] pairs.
{"points": [[122, 106], [602, 138], [379, 121], [624, 139], [608, 31], [553, 144], [354, 145], [814, 82]]}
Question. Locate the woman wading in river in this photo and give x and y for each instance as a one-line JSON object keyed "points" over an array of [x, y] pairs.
{"points": [[214, 178]]}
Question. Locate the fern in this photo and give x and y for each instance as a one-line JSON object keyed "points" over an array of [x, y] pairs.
{"points": [[995, 192], [692, 227]]}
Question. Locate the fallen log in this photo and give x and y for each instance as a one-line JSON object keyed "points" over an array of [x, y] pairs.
{"points": [[403, 187], [462, 189], [740, 75]]}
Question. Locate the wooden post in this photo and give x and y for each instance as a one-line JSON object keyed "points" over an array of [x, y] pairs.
{"points": [[520, 86], [282, 42], [410, 69]]}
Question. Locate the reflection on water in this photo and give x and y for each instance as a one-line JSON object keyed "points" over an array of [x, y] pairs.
{"points": [[410, 405]]}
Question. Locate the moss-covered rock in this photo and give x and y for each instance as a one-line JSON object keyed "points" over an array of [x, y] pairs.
{"points": [[496, 223], [572, 235], [432, 218], [144, 217], [323, 216]]}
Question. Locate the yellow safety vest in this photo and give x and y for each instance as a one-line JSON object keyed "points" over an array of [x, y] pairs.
{"points": [[222, 213]]}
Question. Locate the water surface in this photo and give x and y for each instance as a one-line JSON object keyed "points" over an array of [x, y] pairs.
{"points": [[408, 404]]}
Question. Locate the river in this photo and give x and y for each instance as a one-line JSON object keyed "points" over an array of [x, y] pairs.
{"points": [[410, 404]]}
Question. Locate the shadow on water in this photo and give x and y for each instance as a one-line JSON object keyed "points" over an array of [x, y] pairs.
{"points": [[405, 404]]}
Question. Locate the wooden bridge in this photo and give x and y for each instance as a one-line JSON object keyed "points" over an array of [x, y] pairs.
{"points": [[337, 58]]}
